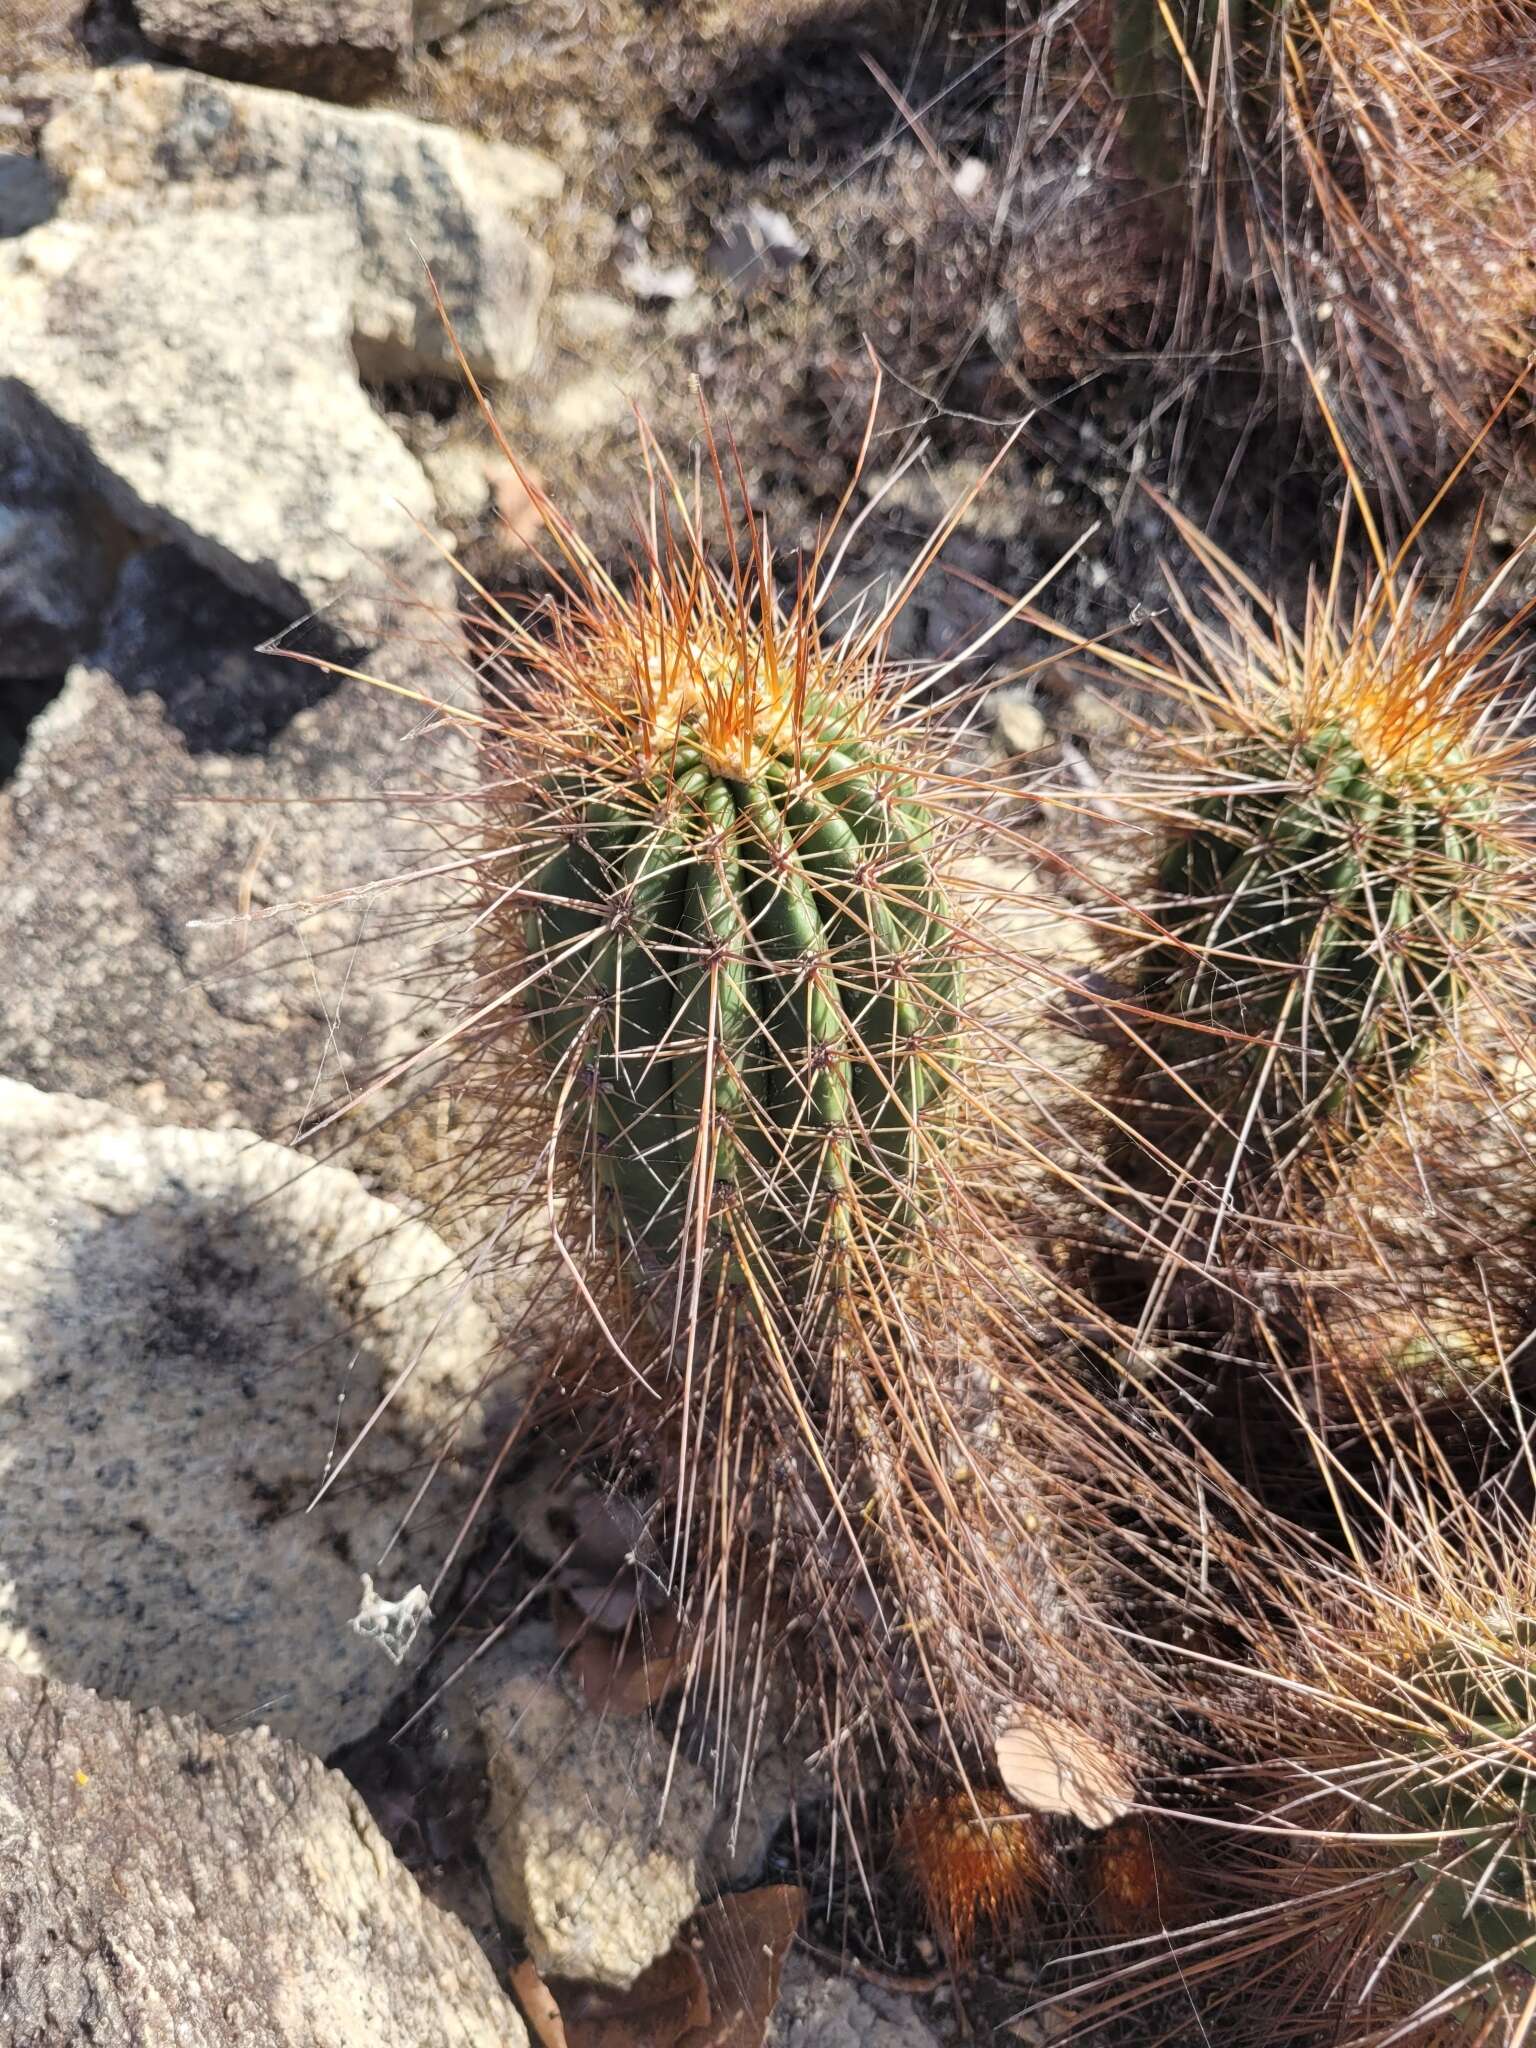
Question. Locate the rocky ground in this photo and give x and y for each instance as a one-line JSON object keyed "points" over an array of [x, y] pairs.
{"points": [[233, 429]]}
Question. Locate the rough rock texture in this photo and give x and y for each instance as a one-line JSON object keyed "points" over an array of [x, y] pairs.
{"points": [[584, 1857], [342, 46], [818, 2011], [748, 1820], [145, 362], [133, 817], [162, 1887], [145, 140], [196, 1325]]}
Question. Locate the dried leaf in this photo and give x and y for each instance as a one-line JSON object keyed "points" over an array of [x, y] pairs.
{"points": [[665, 2006], [741, 1942], [539, 2007], [620, 1674], [1051, 1767]]}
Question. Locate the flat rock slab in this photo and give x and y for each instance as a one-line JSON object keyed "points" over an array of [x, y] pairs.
{"points": [[141, 822], [161, 1886], [144, 365], [145, 140], [198, 1324]]}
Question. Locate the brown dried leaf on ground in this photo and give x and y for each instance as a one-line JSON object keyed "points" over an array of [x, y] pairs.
{"points": [[741, 1941], [624, 1672], [538, 2004], [665, 2007], [715, 1989]]}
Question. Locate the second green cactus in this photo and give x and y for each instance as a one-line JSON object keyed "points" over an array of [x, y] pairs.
{"points": [[1319, 912]]}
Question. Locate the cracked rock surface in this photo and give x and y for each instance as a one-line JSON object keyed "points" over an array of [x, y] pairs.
{"points": [[594, 1832], [819, 2011], [162, 1886]]}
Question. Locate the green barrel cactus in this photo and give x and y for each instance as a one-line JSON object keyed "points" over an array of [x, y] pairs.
{"points": [[1319, 914], [1465, 1790], [741, 974]]}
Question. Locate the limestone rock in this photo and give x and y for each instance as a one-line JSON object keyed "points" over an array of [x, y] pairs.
{"points": [[585, 1853], [818, 2011], [416, 195], [140, 824], [197, 1324], [146, 359], [161, 1884]]}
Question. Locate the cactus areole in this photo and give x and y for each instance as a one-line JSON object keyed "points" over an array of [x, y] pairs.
{"points": [[1323, 907], [741, 978]]}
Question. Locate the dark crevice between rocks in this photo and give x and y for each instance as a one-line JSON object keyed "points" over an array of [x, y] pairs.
{"points": [[110, 33], [21, 699], [823, 99], [232, 673]]}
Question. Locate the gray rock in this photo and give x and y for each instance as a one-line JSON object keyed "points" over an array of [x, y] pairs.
{"points": [[750, 1816], [438, 18], [586, 320], [345, 47], [160, 1884], [124, 858], [145, 140], [197, 1326], [592, 1853], [146, 361], [818, 2011], [56, 574], [462, 473], [587, 405]]}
